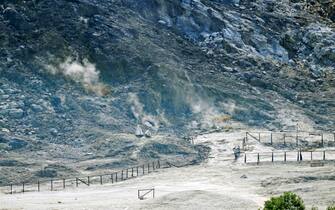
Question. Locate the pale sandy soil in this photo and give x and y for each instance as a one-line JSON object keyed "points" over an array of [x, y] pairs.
{"points": [[219, 183]]}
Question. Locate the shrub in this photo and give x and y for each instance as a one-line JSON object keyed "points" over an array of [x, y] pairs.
{"points": [[332, 207], [287, 201]]}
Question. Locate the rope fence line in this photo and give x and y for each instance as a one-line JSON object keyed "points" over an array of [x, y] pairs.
{"points": [[63, 183], [294, 138], [289, 156]]}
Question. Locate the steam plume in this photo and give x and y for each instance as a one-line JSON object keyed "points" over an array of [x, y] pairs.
{"points": [[83, 72]]}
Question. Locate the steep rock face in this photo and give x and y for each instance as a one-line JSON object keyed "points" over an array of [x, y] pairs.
{"points": [[83, 74]]}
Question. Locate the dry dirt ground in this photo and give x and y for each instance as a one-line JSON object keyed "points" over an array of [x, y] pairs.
{"points": [[218, 183]]}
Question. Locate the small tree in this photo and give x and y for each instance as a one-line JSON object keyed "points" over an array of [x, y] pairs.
{"points": [[287, 201]]}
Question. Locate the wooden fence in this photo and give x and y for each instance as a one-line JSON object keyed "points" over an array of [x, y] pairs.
{"points": [[289, 156], [293, 138], [61, 184], [145, 192]]}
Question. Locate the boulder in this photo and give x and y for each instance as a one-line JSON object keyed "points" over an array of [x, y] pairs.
{"points": [[16, 113], [17, 144], [36, 108], [15, 19]]}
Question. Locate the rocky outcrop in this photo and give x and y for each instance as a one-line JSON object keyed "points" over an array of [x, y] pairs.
{"points": [[80, 73]]}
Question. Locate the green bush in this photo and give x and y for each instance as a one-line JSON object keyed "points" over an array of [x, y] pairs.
{"points": [[287, 201], [331, 207]]}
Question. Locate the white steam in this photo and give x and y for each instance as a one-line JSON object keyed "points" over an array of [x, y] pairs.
{"points": [[148, 120], [83, 72]]}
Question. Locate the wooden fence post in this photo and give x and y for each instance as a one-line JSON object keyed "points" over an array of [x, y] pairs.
{"points": [[101, 179], [127, 173], [11, 188], [122, 175], [324, 155], [246, 136], [116, 177], [136, 170], [143, 169], [51, 185], [298, 156], [158, 164], [23, 187], [284, 156], [259, 137], [76, 182], [272, 157], [38, 185], [148, 167], [63, 183], [245, 157], [311, 155], [271, 140], [257, 158], [112, 178], [322, 140], [132, 172], [153, 166], [88, 181]]}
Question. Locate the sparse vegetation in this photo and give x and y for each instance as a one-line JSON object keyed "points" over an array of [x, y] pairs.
{"points": [[287, 201]]}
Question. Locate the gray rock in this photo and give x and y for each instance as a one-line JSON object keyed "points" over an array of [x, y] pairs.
{"points": [[54, 131], [17, 144], [36, 108], [16, 113]]}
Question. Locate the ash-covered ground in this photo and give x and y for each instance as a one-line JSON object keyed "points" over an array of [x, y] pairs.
{"points": [[218, 183]]}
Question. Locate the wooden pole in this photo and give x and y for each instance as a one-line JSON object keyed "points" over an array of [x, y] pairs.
{"points": [[284, 156], [311, 155], [246, 136], [116, 177], [88, 181], [23, 187], [148, 167], [76, 182], [272, 157], [11, 188], [101, 179], [136, 170], [127, 173], [63, 183], [158, 164], [122, 175], [324, 155], [112, 177], [245, 157], [257, 158], [153, 166], [132, 172], [271, 139], [143, 168], [38, 185], [322, 139]]}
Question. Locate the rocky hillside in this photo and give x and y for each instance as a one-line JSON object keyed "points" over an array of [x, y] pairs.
{"points": [[78, 76]]}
